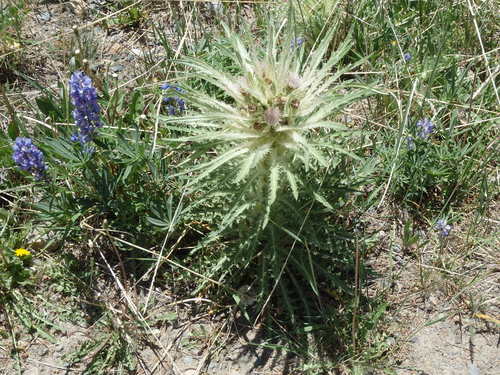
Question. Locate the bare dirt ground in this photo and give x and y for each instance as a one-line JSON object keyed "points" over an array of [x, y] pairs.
{"points": [[446, 324], [445, 301]]}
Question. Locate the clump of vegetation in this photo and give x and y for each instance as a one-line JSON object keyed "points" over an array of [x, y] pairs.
{"points": [[246, 165]]}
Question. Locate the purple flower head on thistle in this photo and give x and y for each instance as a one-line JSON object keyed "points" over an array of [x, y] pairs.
{"points": [[297, 42], [443, 228], [86, 112], [407, 56], [175, 105], [425, 127], [28, 157]]}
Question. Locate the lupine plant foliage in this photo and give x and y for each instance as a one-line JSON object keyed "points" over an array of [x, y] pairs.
{"points": [[427, 172]]}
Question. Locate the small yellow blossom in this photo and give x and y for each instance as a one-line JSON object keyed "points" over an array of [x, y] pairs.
{"points": [[21, 252], [393, 42]]}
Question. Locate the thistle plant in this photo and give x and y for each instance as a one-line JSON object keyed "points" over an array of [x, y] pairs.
{"points": [[278, 118]]}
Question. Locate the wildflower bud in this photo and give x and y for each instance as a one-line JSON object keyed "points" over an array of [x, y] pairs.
{"points": [[143, 117], [293, 80], [234, 88], [77, 51], [272, 116], [297, 42], [85, 62]]}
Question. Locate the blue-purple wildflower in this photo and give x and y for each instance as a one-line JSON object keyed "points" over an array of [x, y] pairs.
{"points": [[410, 143], [443, 227], [86, 112], [175, 105], [297, 42], [425, 127], [407, 56], [28, 157]]}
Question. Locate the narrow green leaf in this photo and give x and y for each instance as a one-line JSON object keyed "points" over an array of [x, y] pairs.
{"points": [[322, 200], [293, 183]]}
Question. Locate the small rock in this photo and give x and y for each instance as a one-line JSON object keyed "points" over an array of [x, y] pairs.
{"points": [[45, 16], [215, 6], [473, 369], [117, 68], [43, 351], [96, 67], [390, 341], [188, 360], [433, 300], [31, 371], [212, 367], [414, 339], [137, 52]]}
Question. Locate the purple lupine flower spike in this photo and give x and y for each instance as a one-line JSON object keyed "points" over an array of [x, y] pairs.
{"points": [[28, 157], [425, 127], [86, 112], [175, 105]]}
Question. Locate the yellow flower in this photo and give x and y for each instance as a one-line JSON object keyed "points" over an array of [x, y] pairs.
{"points": [[21, 252], [393, 42]]}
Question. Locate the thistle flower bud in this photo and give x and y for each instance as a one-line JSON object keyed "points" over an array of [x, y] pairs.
{"points": [[294, 80], [272, 116]]}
